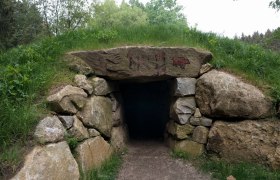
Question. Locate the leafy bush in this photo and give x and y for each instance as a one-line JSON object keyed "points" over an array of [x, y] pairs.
{"points": [[106, 36]]}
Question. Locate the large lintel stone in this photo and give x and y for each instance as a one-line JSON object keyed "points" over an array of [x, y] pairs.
{"points": [[134, 62]]}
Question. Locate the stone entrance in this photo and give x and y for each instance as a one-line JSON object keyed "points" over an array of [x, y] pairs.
{"points": [[146, 108], [149, 92]]}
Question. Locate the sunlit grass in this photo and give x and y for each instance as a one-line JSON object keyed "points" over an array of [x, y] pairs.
{"points": [[220, 169]]}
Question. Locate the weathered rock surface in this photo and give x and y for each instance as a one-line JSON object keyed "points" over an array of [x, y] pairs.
{"points": [[53, 161], [197, 113], [67, 121], [117, 117], [140, 62], [117, 109], [203, 121], [92, 153], [77, 65], [97, 113], [115, 98], [184, 86], [205, 68], [100, 86], [119, 138], [82, 82], [200, 134], [93, 132], [78, 130], [68, 100], [182, 109], [49, 130], [219, 94], [179, 131], [190, 147], [253, 141]]}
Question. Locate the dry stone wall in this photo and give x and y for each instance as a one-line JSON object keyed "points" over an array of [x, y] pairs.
{"points": [[90, 115], [211, 112]]}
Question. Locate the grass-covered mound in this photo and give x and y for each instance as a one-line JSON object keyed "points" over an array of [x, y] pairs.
{"points": [[27, 72]]}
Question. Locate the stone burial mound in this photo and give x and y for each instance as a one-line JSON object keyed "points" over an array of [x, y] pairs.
{"points": [[150, 92]]}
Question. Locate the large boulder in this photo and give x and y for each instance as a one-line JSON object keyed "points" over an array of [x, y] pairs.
{"points": [[97, 113], [53, 161], [49, 130], [92, 153], [140, 62], [253, 141], [219, 94], [69, 99]]}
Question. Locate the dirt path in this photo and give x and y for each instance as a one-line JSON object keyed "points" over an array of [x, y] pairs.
{"points": [[151, 161]]}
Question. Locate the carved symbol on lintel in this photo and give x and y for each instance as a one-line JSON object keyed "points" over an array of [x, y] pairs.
{"points": [[180, 62]]}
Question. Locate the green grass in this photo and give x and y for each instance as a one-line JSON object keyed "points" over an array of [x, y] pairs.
{"points": [[180, 155], [27, 72], [220, 169], [241, 171], [108, 171]]}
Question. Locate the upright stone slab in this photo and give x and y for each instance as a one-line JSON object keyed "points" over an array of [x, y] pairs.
{"points": [[119, 138], [92, 153], [97, 113], [53, 161], [140, 62]]}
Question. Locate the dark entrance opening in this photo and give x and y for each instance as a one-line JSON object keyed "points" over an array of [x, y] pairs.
{"points": [[146, 109]]}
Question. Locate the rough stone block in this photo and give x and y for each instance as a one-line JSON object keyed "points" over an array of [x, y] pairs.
{"points": [[222, 95], [67, 100], [184, 86], [53, 161], [97, 114], [192, 148], [179, 131], [78, 130], [92, 153], [67, 121], [49, 130], [82, 82], [93, 132], [119, 138], [100, 86], [200, 134], [249, 140]]}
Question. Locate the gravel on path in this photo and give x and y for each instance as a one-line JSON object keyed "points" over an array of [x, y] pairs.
{"points": [[151, 160]]}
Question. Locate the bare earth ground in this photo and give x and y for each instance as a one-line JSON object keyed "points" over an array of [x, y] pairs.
{"points": [[150, 160]]}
